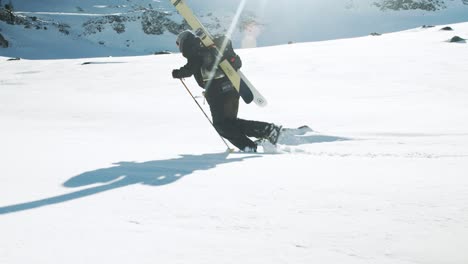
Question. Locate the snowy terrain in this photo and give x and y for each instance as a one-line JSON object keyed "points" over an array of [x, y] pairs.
{"points": [[113, 163], [77, 29]]}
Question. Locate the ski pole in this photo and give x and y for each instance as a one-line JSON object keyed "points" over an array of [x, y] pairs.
{"points": [[207, 118]]}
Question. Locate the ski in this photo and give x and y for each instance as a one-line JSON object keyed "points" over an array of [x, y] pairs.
{"points": [[302, 130], [245, 89]]}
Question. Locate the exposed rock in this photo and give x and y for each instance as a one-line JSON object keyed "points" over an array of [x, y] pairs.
{"points": [[64, 28], [10, 17], [152, 21], [117, 23], [3, 42], [447, 29], [162, 52], [118, 27], [31, 22], [156, 22], [457, 39], [426, 5]]}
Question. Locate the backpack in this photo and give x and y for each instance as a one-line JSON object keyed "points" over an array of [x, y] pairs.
{"points": [[209, 58]]}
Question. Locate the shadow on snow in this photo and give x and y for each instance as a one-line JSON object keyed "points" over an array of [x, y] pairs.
{"points": [[152, 173]]}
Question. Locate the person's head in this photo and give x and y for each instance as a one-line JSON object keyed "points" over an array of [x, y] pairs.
{"points": [[183, 38]]}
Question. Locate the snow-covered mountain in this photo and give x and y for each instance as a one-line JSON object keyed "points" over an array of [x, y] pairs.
{"points": [[75, 28], [112, 162]]}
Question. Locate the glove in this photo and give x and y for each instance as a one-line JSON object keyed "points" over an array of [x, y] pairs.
{"points": [[176, 74]]}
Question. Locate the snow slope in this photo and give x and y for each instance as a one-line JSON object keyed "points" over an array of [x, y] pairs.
{"points": [[91, 31], [113, 163]]}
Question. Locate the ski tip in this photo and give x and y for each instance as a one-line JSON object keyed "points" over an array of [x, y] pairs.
{"points": [[305, 127]]}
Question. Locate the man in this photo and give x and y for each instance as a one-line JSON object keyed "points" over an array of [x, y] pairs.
{"points": [[221, 95]]}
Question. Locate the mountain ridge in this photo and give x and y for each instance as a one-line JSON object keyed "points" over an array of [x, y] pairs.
{"points": [[140, 27]]}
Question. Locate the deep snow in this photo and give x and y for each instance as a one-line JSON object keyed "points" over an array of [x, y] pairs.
{"points": [[113, 163]]}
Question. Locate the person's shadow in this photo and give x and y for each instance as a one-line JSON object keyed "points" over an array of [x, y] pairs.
{"points": [[152, 173]]}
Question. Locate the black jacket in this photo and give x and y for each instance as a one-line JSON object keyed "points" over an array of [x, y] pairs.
{"points": [[192, 50]]}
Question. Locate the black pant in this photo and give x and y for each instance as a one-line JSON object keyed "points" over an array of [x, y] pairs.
{"points": [[224, 105]]}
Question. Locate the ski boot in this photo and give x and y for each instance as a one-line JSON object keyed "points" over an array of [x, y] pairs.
{"points": [[250, 149], [273, 133]]}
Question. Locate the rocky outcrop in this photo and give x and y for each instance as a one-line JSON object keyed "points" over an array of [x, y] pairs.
{"points": [[151, 21], [426, 5], [31, 22], [10, 17], [457, 39], [117, 23], [3, 42], [155, 22]]}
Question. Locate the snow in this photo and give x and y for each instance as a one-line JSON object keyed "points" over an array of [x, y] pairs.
{"points": [[113, 163], [276, 22]]}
